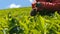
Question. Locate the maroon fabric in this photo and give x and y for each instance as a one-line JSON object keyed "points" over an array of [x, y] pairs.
{"points": [[53, 5]]}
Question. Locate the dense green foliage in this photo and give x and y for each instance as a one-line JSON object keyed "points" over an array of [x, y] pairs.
{"points": [[9, 18]]}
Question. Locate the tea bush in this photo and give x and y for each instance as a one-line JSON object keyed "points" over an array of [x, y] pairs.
{"points": [[18, 21]]}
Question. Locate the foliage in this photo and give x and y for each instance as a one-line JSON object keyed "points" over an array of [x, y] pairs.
{"points": [[10, 19]]}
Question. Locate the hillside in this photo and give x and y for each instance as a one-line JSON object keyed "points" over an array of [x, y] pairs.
{"points": [[11, 18]]}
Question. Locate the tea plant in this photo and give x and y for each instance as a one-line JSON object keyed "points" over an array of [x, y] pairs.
{"points": [[19, 21]]}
